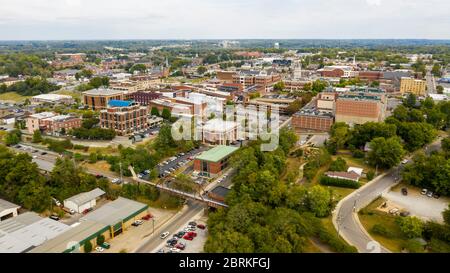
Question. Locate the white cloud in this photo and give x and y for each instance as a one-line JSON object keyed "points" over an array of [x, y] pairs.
{"points": [[153, 19]]}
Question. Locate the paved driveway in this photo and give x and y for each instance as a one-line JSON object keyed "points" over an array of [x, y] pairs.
{"points": [[419, 205]]}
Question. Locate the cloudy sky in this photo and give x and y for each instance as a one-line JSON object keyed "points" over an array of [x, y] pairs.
{"points": [[223, 19]]}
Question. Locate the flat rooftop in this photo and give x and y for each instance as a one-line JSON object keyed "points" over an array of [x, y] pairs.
{"points": [[4, 205], [27, 231], [84, 197], [102, 92], [75, 233], [114, 212], [217, 153]]}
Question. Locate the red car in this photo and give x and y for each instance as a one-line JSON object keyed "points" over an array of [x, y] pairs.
{"points": [[187, 237], [192, 234], [87, 210], [147, 217], [200, 226], [180, 246]]}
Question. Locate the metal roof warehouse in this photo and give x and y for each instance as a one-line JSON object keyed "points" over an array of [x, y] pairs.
{"points": [[108, 220]]}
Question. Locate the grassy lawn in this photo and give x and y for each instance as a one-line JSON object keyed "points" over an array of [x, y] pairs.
{"points": [[370, 216], [292, 166], [13, 96], [73, 94]]}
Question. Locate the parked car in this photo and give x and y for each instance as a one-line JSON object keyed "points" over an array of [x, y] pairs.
{"points": [[430, 194], [99, 249], [187, 237], [54, 217], [424, 191], [436, 195], [116, 181], [192, 223], [161, 250], [98, 176], [43, 153], [164, 235], [180, 246], [404, 161], [394, 211], [404, 213], [175, 250], [105, 245], [404, 191], [147, 217], [192, 234], [201, 226]]}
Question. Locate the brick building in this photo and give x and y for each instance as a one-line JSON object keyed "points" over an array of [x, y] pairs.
{"points": [[97, 99], [125, 117], [359, 108], [312, 120], [144, 98], [211, 163]]}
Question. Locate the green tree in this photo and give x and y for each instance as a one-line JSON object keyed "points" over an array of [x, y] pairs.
{"points": [[166, 114], [319, 200], [412, 227], [338, 165], [436, 70], [100, 239], [446, 215], [201, 70], [279, 86], [13, 137], [37, 136], [385, 153], [87, 247], [154, 111], [440, 89]]}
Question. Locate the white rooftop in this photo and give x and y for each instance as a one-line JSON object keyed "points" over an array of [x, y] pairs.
{"points": [[4, 205], [219, 125], [26, 231], [85, 197], [43, 115], [54, 97]]}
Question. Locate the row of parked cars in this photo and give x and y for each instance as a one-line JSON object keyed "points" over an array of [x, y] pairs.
{"points": [[430, 194], [175, 244]]}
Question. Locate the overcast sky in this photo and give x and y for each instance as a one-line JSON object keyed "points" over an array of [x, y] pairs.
{"points": [[223, 19]]}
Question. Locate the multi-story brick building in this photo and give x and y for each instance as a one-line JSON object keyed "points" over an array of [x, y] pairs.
{"points": [[211, 163], [50, 122], [97, 99], [410, 85], [312, 120], [359, 108], [144, 98], [125, 117]]}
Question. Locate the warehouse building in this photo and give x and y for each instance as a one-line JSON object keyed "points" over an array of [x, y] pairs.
{"points": [[27, 231], [211, 163], [84, 200], [110, 220], [7, 210]]}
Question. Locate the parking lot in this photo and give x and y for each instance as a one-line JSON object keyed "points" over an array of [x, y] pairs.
{"points": [[172, 164], [417, 204], [191, 246]]}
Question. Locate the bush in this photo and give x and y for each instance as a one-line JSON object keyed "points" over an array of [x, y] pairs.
{"points": [[87, 247], [413, 246], [357, 153], [343, 183], [100, 239], [370, 175], [381, 230], [338, 165]]}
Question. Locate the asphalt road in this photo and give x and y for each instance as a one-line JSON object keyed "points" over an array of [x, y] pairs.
{"points": [[346, 217], [174, 225]]}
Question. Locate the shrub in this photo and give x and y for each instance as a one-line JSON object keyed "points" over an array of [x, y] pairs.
{"points": [[370, 175], [87, 247], [413, 246], [343, 183], [357, 153], [381, 230], [100, 239]]}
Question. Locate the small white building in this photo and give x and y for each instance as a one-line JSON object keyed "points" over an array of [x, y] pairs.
{"points": [[84, 200], [52, 98], [218, 131], [7, 210]]}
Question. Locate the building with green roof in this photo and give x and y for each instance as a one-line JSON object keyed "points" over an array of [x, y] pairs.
{"points": [[211, 163]]}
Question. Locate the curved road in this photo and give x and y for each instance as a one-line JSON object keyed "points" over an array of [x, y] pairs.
{"points": [[345, 217]]}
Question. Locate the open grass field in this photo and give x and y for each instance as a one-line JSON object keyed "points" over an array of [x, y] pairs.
{"points": [[370, 216], [13, 96]]}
